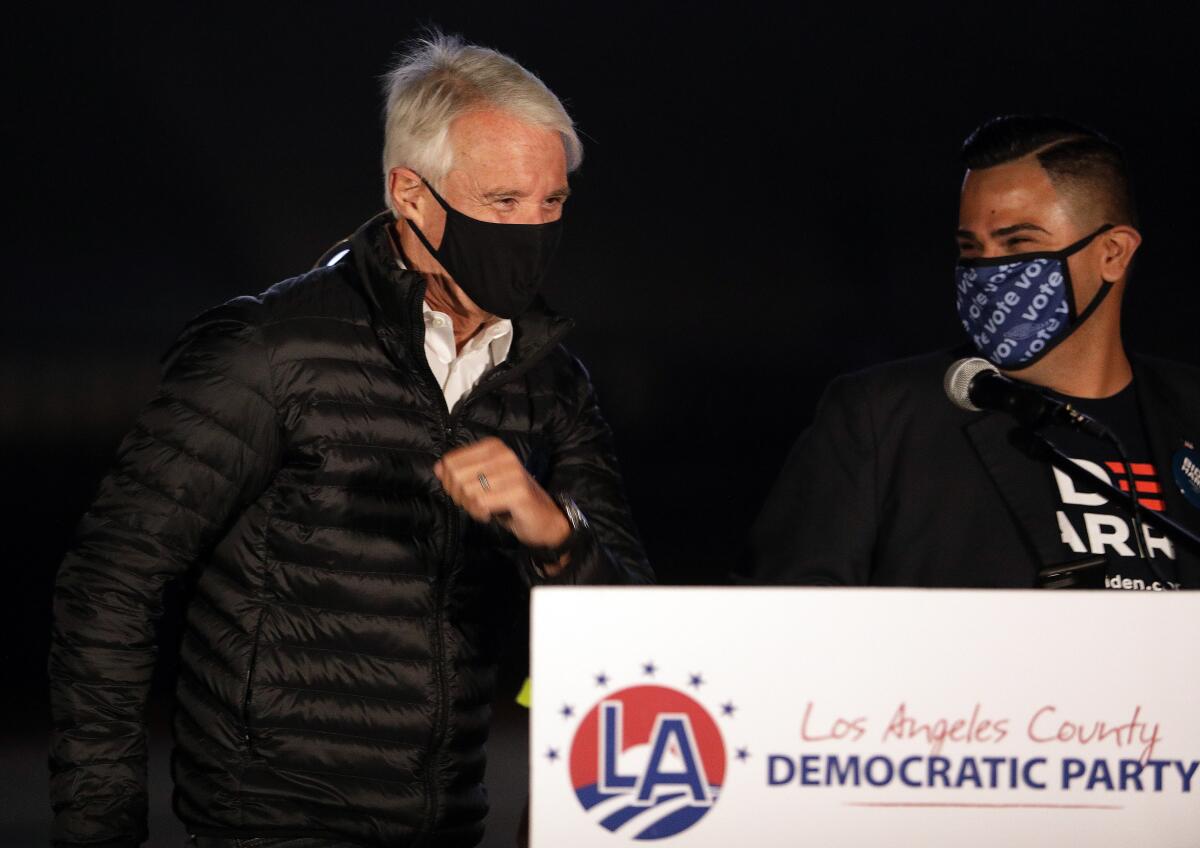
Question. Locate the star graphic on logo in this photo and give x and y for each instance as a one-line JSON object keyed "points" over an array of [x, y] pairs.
{"points": [[602, 679], [567, 711], [695, 680], [649, 669], [728, 708], [552, 754], [742, 754]]}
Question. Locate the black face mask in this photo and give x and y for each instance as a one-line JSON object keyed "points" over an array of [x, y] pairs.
{"points": [[499, 266]]}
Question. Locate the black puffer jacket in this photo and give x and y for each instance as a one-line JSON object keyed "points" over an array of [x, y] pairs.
{"points": [[338, 658]]}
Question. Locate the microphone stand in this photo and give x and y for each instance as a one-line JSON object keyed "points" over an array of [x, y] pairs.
{"points": [[1039, 447]]}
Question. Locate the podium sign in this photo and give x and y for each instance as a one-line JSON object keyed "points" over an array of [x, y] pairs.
{"points": [[863, 717]]}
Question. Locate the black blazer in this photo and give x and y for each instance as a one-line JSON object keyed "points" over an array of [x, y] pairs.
{"points": [[892, 485]]}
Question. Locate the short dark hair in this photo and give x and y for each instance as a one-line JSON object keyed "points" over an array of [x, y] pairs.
{"points": [[1082, 164]]}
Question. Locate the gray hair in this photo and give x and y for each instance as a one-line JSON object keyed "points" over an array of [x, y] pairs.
{"points": [[441, 77]]}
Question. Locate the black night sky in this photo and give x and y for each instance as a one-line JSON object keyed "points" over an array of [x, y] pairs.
{"points": [[767, 199]]}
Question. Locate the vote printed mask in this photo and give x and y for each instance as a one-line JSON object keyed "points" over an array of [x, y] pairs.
{"points": [[499, 266], [1016, 309]]}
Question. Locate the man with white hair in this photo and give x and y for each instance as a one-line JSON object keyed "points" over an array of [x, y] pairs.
{"points": [[361, 469]]}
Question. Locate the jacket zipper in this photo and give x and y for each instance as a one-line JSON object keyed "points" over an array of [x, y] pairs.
{"points": [[441, 710], [448, 420], [249, 677]]}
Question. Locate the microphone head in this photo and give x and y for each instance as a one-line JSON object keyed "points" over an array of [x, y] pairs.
{"points": [[957, 381]]}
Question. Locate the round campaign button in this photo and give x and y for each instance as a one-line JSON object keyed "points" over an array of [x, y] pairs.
{"points": [[1186, 467]]}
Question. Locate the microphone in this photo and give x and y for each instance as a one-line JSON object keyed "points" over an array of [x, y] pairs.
{"points": [[974, 384]]}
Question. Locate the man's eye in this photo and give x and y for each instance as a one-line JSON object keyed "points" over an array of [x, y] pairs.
{"points": [[506, 202]]}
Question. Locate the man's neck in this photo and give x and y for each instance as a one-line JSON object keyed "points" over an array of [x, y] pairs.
{"points": [[1091, 363], [441, 294], [466, 324]]}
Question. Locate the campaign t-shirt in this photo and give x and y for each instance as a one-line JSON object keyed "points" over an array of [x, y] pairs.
{"points": [[1088, 522]]}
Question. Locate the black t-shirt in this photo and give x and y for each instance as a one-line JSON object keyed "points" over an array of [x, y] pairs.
{"points": [[1088, 522]]}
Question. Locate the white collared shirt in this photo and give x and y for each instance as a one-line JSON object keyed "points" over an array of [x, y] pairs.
{"points": [[458, 372]]}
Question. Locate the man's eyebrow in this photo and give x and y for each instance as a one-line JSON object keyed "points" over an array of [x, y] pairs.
{"points": [[497, 193], [1004, 231], [1018, 228]]}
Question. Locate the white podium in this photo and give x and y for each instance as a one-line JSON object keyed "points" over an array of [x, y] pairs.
{"points": [[864, 717]]}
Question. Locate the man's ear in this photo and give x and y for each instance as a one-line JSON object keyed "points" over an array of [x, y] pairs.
{"points": [[1118, 246], [405, 190]]}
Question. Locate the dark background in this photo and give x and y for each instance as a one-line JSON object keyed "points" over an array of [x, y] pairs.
{"points": [[768, 198]]}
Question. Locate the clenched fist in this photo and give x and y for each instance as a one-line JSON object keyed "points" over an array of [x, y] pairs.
{"points": [[488, 481]]}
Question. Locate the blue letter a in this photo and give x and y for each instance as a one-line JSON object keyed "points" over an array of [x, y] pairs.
{"points": [[675, 727]]}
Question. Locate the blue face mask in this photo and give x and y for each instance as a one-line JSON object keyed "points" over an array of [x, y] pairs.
{"points": [[1016, 309]]}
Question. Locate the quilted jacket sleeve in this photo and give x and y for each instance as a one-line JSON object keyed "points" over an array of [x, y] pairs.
{"points": [[584, 466], [200, 449]]}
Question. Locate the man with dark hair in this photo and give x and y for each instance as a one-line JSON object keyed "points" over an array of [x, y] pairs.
{"points": [[892, 484], [1085, 168]]}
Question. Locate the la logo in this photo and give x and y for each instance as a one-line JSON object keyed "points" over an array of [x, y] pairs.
{"points": [[673, 761]]}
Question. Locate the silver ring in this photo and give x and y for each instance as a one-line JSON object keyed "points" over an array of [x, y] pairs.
{"points": [[483, 481]]}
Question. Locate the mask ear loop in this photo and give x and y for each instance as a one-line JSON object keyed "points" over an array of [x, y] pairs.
{"points": [[442, 201], [1105, 288], [1078, 318], [1077, 246], [417, 230]]}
